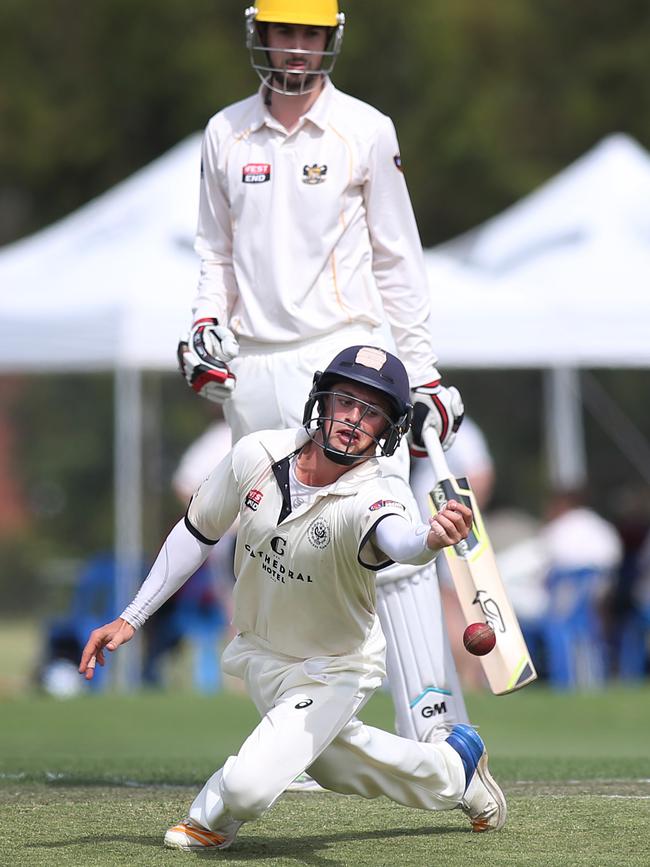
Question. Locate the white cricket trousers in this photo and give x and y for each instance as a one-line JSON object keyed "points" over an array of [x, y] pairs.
{"points": [[308, 710], [273, 383]]}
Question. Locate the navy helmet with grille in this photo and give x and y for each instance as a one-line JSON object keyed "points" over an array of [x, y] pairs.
{"points": [[369, 366]]}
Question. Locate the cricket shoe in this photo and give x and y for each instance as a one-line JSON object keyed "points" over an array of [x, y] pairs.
{"points": [[438, 733], [483, 801], [305, 783], [189, 835]]}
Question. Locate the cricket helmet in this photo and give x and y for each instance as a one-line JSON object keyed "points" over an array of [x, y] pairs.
{"points": [[368, 366], [317, 13]]}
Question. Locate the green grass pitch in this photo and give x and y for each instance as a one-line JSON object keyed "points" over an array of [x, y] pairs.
{"points": [[96, 781]]}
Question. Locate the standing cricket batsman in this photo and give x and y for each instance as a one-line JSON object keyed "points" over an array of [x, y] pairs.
{"points": [[317, 521], [308, 243]]}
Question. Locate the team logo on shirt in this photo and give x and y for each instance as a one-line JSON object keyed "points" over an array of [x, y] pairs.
{"points": [[256, 173], [313, 174], [253, 499], [318, 533], [381, 504]]}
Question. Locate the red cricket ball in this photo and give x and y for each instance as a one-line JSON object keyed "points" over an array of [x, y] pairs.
{"points": [[479, 638]]}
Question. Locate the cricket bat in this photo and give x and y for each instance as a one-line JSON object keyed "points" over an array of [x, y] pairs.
{"points": [[477, 582]]}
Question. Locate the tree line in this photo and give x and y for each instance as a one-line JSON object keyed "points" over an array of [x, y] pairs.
{"points": [[489, 99]]}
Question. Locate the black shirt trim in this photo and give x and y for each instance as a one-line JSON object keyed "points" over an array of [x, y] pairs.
{"points": [[198, 535], [281, 473], [388, 561]]}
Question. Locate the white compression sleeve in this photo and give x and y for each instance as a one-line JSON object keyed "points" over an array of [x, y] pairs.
{"points": [[180, 556], [403, 542]]}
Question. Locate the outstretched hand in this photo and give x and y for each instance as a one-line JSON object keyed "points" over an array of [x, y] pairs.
{"points": [[449, 526], [109, 636]]}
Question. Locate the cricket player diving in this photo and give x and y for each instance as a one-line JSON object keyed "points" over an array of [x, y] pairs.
{"points": [[317, 523], [308, 244]]}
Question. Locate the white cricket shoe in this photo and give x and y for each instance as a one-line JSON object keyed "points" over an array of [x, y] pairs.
{"points": [[305, 783], [483, 802], [190, 835]]}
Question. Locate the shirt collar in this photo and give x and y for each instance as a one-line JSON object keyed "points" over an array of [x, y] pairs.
{"points": [[280, 447], [280, 444], [318, 114]]}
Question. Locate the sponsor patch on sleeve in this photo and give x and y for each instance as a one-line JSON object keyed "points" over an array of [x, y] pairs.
{"points": [[253, 499], [382, 504]]}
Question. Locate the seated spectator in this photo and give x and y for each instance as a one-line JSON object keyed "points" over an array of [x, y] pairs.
{"points": [[583, 552]]}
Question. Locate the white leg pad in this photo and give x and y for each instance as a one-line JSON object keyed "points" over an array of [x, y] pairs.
{"points": [[421, 671]]}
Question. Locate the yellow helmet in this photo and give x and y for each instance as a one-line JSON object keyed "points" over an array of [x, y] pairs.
{"points": [[314, 13], [318, 13]]}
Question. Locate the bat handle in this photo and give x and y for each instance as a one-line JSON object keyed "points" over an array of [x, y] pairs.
{"points": [[436, 454]]}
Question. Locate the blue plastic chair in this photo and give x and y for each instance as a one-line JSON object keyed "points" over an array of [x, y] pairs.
{"points": [[573, 635]]}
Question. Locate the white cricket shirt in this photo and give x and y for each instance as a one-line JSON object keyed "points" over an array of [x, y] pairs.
{"points": [[300, 233], [305, 579]]}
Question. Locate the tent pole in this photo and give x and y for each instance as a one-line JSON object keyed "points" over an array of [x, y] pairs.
{"points": [[565, 442], [128, 514]]}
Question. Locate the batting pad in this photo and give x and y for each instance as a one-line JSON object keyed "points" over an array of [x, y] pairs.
{"points": [[422, 675]]}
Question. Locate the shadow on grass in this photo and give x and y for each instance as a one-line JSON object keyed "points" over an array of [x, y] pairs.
{"points": [[303, 849]]}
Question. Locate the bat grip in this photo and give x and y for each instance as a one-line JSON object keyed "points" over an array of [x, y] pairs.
{"points": [[436, 454]]}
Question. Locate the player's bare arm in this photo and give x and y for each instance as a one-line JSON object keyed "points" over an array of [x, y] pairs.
{"points": [[109, 637]]}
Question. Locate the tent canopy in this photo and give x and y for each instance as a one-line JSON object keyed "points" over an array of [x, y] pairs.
{"points": [[112, 284], [562, 278]]}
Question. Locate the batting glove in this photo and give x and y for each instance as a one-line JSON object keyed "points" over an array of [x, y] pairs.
{"points": [[212, 380], [437, 407], [211, 341]]}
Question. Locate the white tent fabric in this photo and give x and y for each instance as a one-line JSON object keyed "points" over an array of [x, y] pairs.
{"points": [[111, 285], [562, 278]]}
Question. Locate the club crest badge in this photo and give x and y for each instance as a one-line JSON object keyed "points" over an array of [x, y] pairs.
{"points": [[318, 533], [313, 174]]}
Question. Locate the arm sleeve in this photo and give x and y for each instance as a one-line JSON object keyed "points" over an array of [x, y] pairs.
{"points": [[402, 541], [214, 240], [180, 556], [398, 261]]}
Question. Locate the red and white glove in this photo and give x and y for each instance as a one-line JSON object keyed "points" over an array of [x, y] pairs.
{"points": [[203, 357], [437, 407]]}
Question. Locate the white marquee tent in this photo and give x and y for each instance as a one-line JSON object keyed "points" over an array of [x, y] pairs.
{"points": [[562, 277], [559, 280], [110, 285]]}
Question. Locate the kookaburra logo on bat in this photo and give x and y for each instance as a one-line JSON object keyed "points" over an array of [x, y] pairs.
{"points": [[490, 609]]}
